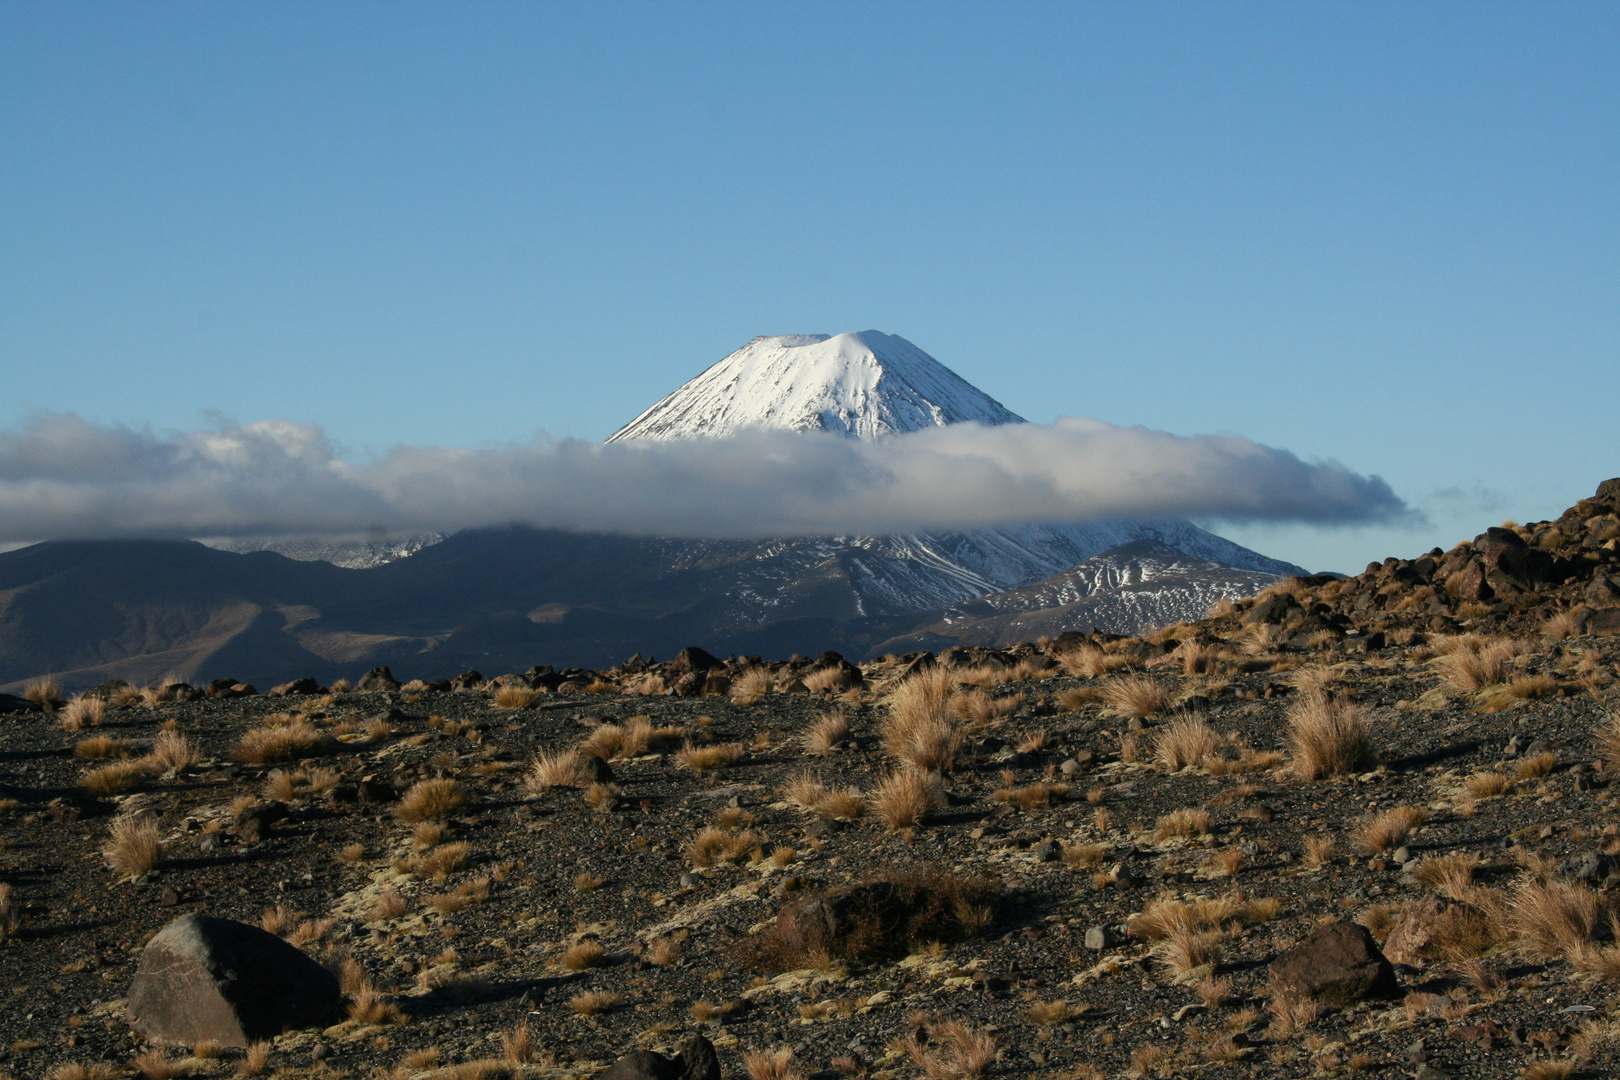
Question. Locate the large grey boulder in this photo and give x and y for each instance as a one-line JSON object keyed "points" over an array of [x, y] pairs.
{"points": [[203, 979]]}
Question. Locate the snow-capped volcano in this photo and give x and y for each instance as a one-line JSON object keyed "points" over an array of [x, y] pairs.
{"points": [[864, 385]]}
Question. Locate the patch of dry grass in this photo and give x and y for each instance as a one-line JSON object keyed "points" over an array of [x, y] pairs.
{"points": [[1387, 829], [1135, 695], [583, 956], [1185, 743], [827, 733], [133, 846], [1536, 766], [564, 768], [1088, 661], [116, 779], [955, 1050], [433, 800], [1553, 919], [712, 846], [709, 758], [1189, 821], [919, 730], [1327, 737], [297, 738], [904, 798], [775, 1064], [516, 697]]}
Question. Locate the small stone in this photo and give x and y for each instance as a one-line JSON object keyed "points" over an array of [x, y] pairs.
{"points": [[168, 898], [1402, 855], [1099, 938], [1069, 767], [1047, 851], [1338, 964]]}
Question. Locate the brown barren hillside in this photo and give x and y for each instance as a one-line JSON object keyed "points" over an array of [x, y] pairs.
{"points": [[1361, 825]]}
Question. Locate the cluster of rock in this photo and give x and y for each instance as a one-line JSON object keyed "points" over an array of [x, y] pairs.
{"points": [[1509, 578]]}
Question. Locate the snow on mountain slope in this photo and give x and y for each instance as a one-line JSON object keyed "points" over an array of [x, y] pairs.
{"points": [[864, 385], [1127, 590], [867, 385]]}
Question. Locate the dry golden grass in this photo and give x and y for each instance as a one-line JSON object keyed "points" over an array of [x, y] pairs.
{"points": [[75, 1070], [828, 678], [1607, 737], [133, 846], [1387, 829], [919, 729], [46, 692], [1470, 665], [389, 905], [516, 697], [904, 798], [102, 747], [712, 846], [565, 768], [437, 864], [82, 712], [1553, 919], [1450, 875], [978, 707], [1089, 661], [369, 1009], [955, 1050], [827, 733], [663, 952], [1185, 743], [116, 779], [1486, 785], [771, 1064], [583, 956], [1085, 856], [295, 738], [1327, 737], [842, 804], [1054, 1012], [1189, 821], [750, 685], [174, 752], [1536, 766], [432, 800], [10, 914], [709, 758], [1548, 1070], [1318, 850], [1033, 797], [1135, 695]]}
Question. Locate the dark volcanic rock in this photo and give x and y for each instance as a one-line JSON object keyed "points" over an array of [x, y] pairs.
{"points": [[1337, 965], [378, 678], [696, 1061], [206, 979]]}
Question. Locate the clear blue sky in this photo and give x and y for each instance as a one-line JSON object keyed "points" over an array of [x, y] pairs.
{"points": [[1382, 234]]}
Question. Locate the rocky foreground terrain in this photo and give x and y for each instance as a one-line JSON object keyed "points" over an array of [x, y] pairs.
{"points": [[1360, 825]]}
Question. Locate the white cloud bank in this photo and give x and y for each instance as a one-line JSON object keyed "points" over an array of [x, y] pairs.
{"points": [[61, 477]]}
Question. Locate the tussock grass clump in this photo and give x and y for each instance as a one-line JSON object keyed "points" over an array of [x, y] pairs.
{"points": [[516, 697], [1327, 737], [1186, 743], [979, 708], [583, 956], [1486, 785], [905, 797], [1033, 797], [954, 1050], [295, 738], [1536, 766], [1135, 695], [1387, 829], [919, 730], [1472, 663], [1189, 821], [771, 1064], [750, 685], [102, 747], [133, 846], [709, 758], [437, 864], [116, 779], [174, 752], [1553, 919], [591, 1002], [10, 913], [1450, 875], [565, 768], [432, 800], [1607, 737], [827, 733], [712, 846], [1088, 661], [46, 692], [83, 712]]}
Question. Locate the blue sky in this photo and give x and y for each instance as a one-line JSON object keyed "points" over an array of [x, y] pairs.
{"points": [[1384, 235]]}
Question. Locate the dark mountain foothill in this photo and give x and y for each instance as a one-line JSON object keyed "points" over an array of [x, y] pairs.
{"points": [[1349, 826]]}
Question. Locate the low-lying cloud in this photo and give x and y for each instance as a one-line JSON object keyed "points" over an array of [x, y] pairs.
{"points": [[61, 477]]}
